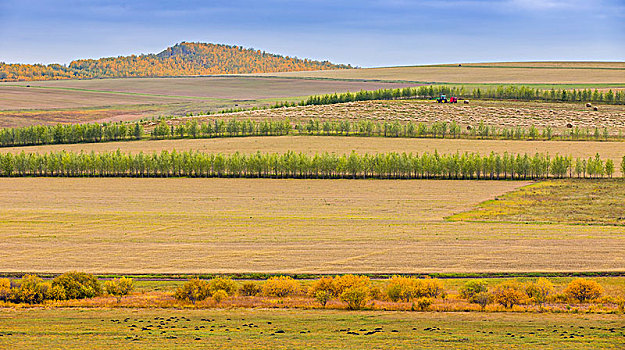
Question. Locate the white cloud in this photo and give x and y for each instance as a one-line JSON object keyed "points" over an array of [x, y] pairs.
{"points": [[550, 4]]}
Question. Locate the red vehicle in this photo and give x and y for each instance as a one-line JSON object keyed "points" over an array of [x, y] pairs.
{"points": [[443, 99]]}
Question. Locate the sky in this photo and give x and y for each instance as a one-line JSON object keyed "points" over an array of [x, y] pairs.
{"points": [[365, 33]]}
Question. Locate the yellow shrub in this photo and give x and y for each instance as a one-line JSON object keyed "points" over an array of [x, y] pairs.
{"points": [[5, 289], [342, 283], [539, 291], [280, 286], [220, 295], [223, 283], [119, 287], [250, 289], [408, 288], [355, 297], [429, 288], [338, 284], [509, 294], [193, 290], [401, 288], [582, 289], [324, 284]]}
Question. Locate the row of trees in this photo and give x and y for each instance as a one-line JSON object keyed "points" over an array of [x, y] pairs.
{"points": [[67, 134], [368, 128], [299, 165], [92, 133], [502, 92]]}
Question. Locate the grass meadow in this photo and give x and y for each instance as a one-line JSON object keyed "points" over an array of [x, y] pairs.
{"points": [[299, 329]]}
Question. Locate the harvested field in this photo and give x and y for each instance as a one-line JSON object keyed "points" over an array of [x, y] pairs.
{"points": [[502, 114], [564, 201], [241, 225], [81, 101], [34, 98], [344, 145], [521, 72], [302, 329], [74, 93]]}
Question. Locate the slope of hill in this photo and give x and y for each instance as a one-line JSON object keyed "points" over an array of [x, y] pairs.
{"points": [[181, 59]]}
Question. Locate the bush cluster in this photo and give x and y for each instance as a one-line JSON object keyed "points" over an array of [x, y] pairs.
{"points": [[510, 293], [31, 289]]}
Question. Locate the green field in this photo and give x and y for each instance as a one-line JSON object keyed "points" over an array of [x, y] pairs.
{"points": [[590, 202], [302, 329]]}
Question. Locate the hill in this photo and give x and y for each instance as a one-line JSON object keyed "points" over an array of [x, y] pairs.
{"points": [[181, 59]]}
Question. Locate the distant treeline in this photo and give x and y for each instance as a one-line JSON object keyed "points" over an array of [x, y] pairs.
{"points": [[508, 92], [221, 127], [300, 165]]}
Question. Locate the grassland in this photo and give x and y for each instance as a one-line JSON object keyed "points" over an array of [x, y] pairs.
{"points": [[480, 73], [45, 102], [568, 201], [249, 225], [295, 329]]}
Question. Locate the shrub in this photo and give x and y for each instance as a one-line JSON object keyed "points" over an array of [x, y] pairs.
{"points": [[324, 284], [401, 288], [508, 294], [355, 297], [193, 290], [78, 285], [280, 286], [345, 282], [424, 303], [472, 288], [322, 297], [582, 289], [429, 288], [539, 291], [119, 287], [408, 288], [56, 292], [5, 289], [250, 289], [223, 283], [220, 295], [375, 293], [31, 290], [481, 298], [620, 302]]}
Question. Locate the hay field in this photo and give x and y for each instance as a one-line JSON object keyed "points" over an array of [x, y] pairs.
{"points": [[344, 145], [480, 73], [302, 329], [242, 225], [501, 114]]}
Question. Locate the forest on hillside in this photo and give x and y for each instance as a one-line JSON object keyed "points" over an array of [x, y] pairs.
{"points": [[181, 59]]}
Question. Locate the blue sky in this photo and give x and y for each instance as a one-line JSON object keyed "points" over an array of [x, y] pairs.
{"points": [[364, 33]]}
